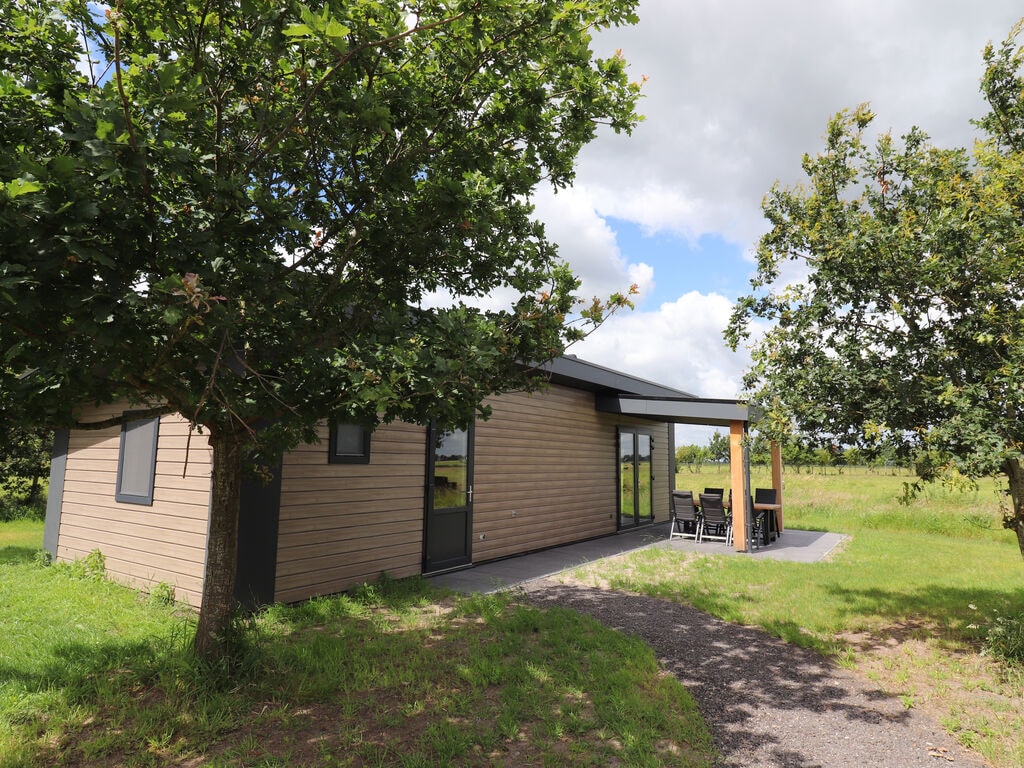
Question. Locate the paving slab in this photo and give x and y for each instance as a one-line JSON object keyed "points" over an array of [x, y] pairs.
{"points": [[793, 545]]}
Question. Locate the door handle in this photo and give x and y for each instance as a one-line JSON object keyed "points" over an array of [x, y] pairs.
{"points": [[469, 495]]}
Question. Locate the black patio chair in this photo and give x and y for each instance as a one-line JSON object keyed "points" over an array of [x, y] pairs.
{"points": [[760, 525], [716, 523], [769, 496], [684, 517]]}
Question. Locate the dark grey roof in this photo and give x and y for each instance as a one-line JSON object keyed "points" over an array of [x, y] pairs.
{"points": [[618, 392], [574, 372]]}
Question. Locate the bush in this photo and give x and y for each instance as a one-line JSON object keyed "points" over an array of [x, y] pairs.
{"points": [[1005, 638], [11, 509], [92, 567], [162, 593], [24, 461]]}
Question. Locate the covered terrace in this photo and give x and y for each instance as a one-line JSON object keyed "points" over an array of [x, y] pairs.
{"points": [[626, 395]]}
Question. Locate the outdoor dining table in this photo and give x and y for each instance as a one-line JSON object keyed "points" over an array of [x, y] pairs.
{"points": [[773, 529]]}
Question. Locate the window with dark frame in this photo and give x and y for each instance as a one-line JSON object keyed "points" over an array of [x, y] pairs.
{"points": [[349, 444], [136, 461]]}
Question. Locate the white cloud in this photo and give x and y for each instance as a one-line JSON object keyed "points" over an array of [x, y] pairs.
{"points": [[738, 91], [587, 242], [642, 276], [496, 301], [679, 345], [655, 206]]}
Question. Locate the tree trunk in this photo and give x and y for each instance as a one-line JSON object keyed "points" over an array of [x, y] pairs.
{"points": [[33, 491], [1014, 519], [218, 600]]}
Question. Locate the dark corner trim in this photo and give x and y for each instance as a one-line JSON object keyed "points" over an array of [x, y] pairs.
{"points": [[55, 497], [258, 519]]}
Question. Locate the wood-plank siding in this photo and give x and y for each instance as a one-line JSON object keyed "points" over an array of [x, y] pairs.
{"points": [[546, 472], [342, 525], [142, 544]]}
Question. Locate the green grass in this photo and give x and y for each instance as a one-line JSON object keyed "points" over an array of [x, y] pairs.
{"points": [[397, 674], [20, 540], [908, 600], [93, 673], [854, 499], [69, 640]]}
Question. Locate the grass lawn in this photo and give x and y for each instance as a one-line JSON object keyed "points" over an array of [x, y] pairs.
{"points": [[907, 601], [20, 540], [94, 674]]}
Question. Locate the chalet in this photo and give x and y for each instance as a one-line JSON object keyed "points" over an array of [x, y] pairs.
{"points": [[588, 456]]}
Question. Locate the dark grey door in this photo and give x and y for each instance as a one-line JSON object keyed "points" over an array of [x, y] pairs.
{"points": [[448, 528]]}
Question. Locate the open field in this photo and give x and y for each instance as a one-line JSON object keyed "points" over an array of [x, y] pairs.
{"points": [[854, 499], [907, 602]]}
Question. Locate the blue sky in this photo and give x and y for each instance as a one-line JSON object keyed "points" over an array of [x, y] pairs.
{"points": [[706, 263], [736, 93]]}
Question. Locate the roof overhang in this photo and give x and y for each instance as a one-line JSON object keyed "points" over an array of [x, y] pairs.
{"points": [[581, 374], [626, 395], [680, 410]]}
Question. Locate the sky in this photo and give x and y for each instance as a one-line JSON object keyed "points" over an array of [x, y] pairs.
{"points": [[736, 92]]}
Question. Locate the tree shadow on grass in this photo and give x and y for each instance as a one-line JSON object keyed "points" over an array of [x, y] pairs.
{"points": [[953, 616], [73, 688], [949, 616], [486, 660], [72, 665], [106, 703], [13, 554]]}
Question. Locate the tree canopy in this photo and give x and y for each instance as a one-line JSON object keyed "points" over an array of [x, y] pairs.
{"points": [[894, 283], [257, 213]]}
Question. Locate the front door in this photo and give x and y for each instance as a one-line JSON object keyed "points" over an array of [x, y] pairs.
{"points": [[636, 477], [448, 528]]}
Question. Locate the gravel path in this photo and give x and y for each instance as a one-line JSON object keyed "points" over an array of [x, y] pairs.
{"points": [[768, 703]]}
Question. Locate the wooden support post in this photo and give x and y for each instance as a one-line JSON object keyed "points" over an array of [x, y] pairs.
{"points": [[737, 476], [777, 480]]}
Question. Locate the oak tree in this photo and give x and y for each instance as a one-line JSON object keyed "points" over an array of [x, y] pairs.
{"points": [[258, 213], [894, 283]]}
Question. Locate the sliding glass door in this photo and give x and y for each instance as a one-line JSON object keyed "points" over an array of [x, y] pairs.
{"points": [[636, 477]]}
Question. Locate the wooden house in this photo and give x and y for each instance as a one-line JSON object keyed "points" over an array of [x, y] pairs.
{"points": [[588, 456]]}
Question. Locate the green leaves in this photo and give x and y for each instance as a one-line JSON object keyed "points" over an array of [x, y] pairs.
{"points": [[322, 26], [23, 186], [247, 196], [103, 129], [298, 30], [911, 310]]}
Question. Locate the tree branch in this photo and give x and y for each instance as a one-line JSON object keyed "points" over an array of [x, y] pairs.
{"points": [[115, 24]]}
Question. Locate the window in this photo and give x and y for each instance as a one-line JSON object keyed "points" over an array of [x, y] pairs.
{"points": [[349, 444], [136, 461]]}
